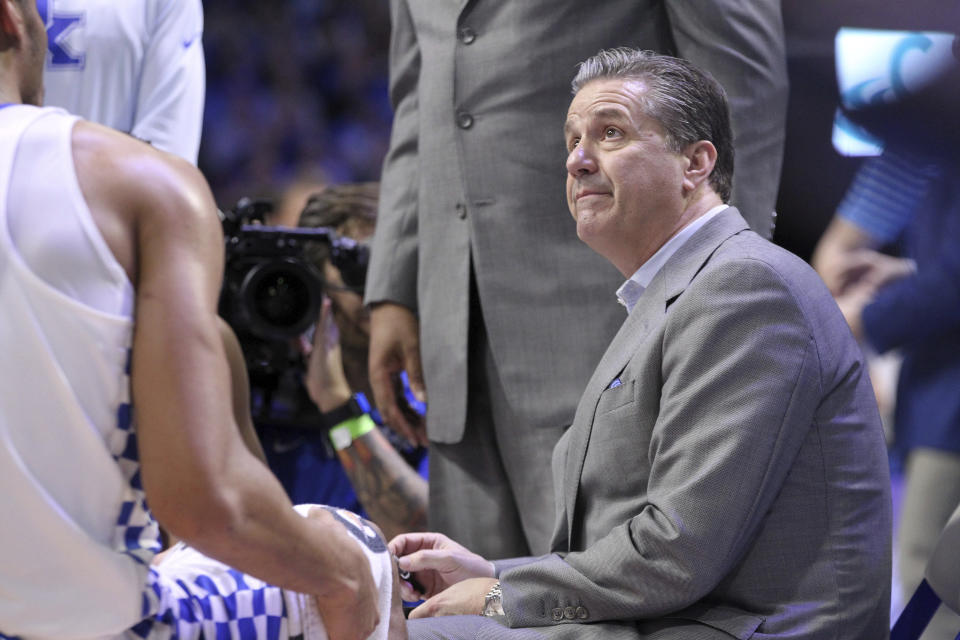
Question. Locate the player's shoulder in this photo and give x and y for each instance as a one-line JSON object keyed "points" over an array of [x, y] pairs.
{"points": [[133, 168]]}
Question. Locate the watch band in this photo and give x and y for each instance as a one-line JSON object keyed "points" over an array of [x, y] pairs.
{"points": [[347, 411], [493, 602], [343, 435]]}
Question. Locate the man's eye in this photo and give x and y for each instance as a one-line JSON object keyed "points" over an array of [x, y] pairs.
{"points": [[573, 143], [610, 132]]}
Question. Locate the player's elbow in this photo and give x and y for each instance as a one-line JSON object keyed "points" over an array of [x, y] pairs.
{"points": [[199, 515]]}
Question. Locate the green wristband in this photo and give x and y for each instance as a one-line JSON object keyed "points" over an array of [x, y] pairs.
{"points": [[343, 435]]}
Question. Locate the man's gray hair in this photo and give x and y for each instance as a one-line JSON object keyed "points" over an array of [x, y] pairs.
{"points": [[688, 102]]}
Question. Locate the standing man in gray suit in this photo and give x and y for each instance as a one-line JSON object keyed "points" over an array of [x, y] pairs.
{"points": [[725, 474], [473, 268]]}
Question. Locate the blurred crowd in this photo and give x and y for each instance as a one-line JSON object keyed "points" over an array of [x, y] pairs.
{"points": [[295, 90]]}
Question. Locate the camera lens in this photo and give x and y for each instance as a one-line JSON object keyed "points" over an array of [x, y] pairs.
{"points": [[280, 299]]}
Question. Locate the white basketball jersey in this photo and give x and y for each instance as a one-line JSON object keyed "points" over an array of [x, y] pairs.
{"points": [[76, 539], [134, 65]]}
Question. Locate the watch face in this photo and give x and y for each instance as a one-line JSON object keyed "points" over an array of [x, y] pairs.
{"points": [[341, 438]]}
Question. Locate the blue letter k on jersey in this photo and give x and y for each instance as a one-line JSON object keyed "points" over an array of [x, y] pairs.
{"points": [[59, 26]]}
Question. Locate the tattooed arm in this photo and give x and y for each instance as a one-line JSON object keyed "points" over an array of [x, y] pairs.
{"points": [[391, 491]]}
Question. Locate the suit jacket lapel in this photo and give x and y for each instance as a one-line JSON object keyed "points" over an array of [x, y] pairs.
{"points": [[646, 316]]}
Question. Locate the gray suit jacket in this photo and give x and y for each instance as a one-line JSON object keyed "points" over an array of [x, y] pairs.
{"points": [[734, 477], [475, 173]]}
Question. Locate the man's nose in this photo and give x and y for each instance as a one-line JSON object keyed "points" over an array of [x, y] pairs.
{"points": [[580, 161]]}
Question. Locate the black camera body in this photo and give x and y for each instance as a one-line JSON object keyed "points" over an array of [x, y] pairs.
{"points": [[272, 289]]}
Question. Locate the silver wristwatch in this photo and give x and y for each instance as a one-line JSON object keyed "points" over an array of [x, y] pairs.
{"points": [[493, 602]]}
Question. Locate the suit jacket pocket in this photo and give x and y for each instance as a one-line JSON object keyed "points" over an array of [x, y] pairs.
{"points": [[616, 397]]}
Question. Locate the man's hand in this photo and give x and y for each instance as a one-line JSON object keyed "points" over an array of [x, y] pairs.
{"points": [[852, 302], [349, 607], [866, 272], [439, 563], [324, 379], [395, 347], [884, 269], [869, 268], [463, 598]]}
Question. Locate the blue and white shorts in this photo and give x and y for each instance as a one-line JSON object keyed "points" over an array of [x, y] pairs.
{"points": [[202, 598]]}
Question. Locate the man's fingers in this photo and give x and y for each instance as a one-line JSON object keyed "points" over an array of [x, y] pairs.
{"points": [[395, 347], [426, 559], [414, 369], [419, 612], [407, 543], [408, 593], [397, 421], [327, 327], [404, 543], [381, 381], [420, 433], [425, 610]]}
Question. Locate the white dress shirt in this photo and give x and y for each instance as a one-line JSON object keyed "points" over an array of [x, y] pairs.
{"points": [[631, 290]]}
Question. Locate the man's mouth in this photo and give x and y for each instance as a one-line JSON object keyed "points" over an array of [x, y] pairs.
{"points": [[590, 192]]}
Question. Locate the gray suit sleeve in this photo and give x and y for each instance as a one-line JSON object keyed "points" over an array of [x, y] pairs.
{"points": [[741, 43], [392, 273], [499, 566], [739, 387]]}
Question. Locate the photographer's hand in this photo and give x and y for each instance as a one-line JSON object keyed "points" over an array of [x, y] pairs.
{"points": [[324, 378], [395, 347]]}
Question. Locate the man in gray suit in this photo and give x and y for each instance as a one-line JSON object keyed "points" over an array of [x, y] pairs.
{"points": [[725, 474], [473, 268]]}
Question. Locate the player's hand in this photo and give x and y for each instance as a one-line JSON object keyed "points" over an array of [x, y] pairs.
{"points": [[349, 608], [324, 379], [395, 347], [438, 563]]}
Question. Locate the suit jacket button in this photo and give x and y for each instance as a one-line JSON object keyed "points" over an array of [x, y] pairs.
{"points": [[582, 613], [570, 613], [464, 120], [467, 35], [558, 614]]}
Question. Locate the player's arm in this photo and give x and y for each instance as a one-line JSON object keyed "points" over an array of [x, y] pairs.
{"points": [[202, 482], [390, 490], [240, 386]]}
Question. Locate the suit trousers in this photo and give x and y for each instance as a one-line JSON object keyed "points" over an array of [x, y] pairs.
{"points": [[931, 493], [493, 491], [480, 628]]}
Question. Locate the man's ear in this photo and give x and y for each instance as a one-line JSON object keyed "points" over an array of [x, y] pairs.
{"points": [[701, 158], [11, 23]]}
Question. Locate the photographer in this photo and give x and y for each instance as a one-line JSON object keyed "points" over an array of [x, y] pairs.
{"points": [[343, 457]]}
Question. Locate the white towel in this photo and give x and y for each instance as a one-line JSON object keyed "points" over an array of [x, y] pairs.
{"points": [[186, 577], [381, 566]]}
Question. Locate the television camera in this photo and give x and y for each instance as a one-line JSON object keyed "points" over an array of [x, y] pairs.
{"points": [[272, 291]]}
